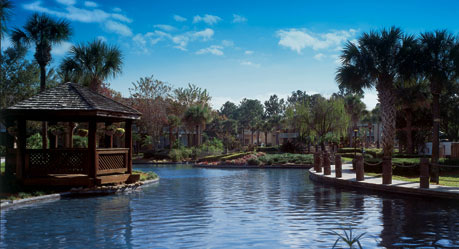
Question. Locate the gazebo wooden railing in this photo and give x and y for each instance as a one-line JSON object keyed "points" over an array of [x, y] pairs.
{"points": [[75, 161]]}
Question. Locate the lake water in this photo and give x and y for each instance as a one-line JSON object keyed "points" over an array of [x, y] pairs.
{"points": [[234, 208]]}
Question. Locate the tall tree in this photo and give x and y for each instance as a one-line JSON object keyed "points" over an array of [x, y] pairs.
{"points": [[92, 64], [437, 49], [249, 110], [198, 116], [355, 108], [5, 13], [229, 109], [43, 32], [376, 61], [149, 97]]}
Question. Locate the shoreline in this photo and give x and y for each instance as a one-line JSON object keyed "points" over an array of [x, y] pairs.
{"points": [[375, 183], [76, 192]]}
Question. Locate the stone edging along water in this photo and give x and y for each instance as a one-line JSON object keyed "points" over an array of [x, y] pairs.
{"points": [[103, 190], [397, 187]]}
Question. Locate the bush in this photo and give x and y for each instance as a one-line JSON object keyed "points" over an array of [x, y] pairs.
{"points": [[269, 150], [80, 142], [181, 154], [2, 150], [156, 154], [290, 147], [253, 161], [34, 141], [286, 158]]}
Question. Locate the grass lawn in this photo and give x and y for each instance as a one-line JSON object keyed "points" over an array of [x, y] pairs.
{"points": [[449, 180], [2, 168], [144, 176]]}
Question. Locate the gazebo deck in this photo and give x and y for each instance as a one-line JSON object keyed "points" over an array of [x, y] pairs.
{"points": [[78, 180]]}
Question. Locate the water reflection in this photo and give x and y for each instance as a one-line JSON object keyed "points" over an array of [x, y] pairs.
{"points": [[193, 207]]}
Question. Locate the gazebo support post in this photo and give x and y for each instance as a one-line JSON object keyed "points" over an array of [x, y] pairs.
{"points": [[22, 139], [108, 138], [128, 144], [10, 157], [92, 149]]}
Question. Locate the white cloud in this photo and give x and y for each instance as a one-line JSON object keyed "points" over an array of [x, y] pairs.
{"points": [[165, 27], [122, 18], [118, 28], [90, 4], [102, 38], [93, 15], [248, 52], [209, 19], [179, 18], [298, 39], [250, 64], [239, 19], [214, 49], [227, 43], [61, 49], [319, 56], [66, 2], [204, 34], [116, 9]]}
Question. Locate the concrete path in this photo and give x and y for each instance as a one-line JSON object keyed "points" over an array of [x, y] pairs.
{"points": [[375, 183]]}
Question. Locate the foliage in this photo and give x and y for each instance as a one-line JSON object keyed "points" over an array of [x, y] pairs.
{"points": [[145, 176], [229, 110], [91, 64], [348, 238], [43, 32], [34, 141], [286, 158], [149, 97], [19, 77], [378, 59], [180, 154], [80, 142], [192, 95]]}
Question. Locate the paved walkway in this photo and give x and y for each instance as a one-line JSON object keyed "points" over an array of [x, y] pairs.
{"points": [[373, 182]]}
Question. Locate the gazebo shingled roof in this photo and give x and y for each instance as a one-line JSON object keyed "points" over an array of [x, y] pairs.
{"points": [[70, 100]]}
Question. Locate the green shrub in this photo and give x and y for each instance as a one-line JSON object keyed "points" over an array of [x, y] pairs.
{"points": [[2, 150], [253, 161], [34, 141], [80, 142]]}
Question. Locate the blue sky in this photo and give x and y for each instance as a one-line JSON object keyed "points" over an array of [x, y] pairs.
{"points": [[236, 49]]}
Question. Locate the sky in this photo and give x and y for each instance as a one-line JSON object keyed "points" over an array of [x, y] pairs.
{"points": [[235, 49]]}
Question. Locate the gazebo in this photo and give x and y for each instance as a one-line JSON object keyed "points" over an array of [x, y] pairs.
{"points": [[71, 103]]}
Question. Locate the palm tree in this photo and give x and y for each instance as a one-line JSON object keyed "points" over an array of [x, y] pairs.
{"points": [[376, 61], [5, 13], [44, 32], [92, 64], [174, 122], [355, 108], [437, 49], [197, 116]]}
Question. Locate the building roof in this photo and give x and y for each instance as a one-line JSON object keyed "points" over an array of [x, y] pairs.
{"points": [[72, 99]]}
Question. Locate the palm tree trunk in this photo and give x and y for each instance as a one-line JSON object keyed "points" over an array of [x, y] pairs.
{"points": [[435, 135], [197, 136], [44, 124], [258, 138], [266, 138], [170, 137], [409, 132], [388, 113], [251, 138], [243, 140]]}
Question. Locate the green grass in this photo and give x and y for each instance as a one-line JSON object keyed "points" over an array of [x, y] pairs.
{"points": [[446, 180], [286, 158], [2, 168], [145, 176]]}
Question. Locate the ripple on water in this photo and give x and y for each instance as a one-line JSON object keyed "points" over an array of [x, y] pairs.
{"points": [[202, 208]]}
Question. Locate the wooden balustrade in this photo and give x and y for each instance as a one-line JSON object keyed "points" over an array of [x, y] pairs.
{"points": [[112, 160], [56, 161]]}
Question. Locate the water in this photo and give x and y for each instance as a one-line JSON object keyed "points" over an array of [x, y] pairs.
{"points": [[213, 208]]}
